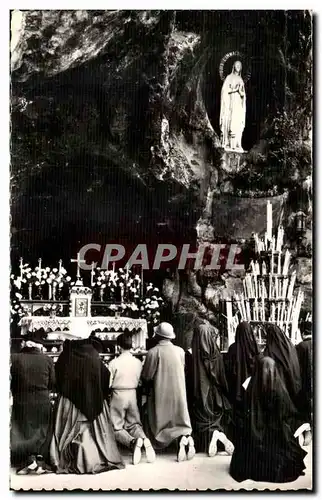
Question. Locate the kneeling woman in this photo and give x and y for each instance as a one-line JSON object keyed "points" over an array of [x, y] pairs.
{"points": [[210, 408], [83, 441], [266, 449]]}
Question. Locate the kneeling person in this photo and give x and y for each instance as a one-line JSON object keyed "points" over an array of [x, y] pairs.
{"points": [[167, 419], [125, 373]]}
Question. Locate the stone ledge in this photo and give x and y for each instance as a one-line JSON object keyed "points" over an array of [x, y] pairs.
{"points": [[233, 161]]}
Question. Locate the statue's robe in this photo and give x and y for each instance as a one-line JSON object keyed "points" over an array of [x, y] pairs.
{"points": [[166, 416], [32, 377], [232, 110]]}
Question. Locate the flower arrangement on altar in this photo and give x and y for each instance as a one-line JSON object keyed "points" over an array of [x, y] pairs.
{"points": [[124, 284], [122, 292], [41, 282], [151, 304], [128, 293]]}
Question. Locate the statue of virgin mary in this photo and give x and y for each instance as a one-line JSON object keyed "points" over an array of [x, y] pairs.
{"points": [[233, 109]]}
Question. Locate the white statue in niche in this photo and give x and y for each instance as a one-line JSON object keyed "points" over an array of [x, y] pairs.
{"points": [[233, 109]]}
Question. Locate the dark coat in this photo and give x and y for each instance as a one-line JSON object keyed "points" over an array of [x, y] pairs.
{"points": [[32, 377]]}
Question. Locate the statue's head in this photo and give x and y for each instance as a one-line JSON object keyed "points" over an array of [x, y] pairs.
{"points": [[237, 67]]}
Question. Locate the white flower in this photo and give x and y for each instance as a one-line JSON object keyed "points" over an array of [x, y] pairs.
{"points": [[17, 283], [49, 281], [55, 270], [37, 283], [47, 269], [52, 276], [18, 295], [28, 276], [43, 282], [103, 286], [63, 270], [147, 300], [24, 280], [68, 278], [61, 285]]}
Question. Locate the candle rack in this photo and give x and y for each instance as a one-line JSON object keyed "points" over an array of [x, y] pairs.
{"points": [[268, 294]]}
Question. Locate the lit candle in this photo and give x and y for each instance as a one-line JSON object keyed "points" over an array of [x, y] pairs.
{"points": [[269, 220], [21, 267], [279, 263], [54, 290], [49, 291], [60, 265], [39, 269], [92, 274]]}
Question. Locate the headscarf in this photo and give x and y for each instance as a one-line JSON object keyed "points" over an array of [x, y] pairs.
{"points": [[82, 377], [268, 397], [281, 349], [31, 343], [208, 364], [244, 353]]}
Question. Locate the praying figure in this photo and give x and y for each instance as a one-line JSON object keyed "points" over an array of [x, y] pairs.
{"points": [[233, 109]]}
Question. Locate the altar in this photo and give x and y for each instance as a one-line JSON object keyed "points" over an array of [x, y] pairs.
{"points": [[106, 328], [125, 307]]}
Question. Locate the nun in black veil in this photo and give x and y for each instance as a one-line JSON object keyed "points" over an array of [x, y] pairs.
{"points": [[265, 447], [83, 440], [209, 405], [239, 364], [240, 360], [280, 348]]}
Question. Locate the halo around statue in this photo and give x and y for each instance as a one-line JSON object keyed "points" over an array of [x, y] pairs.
{"points": [[236, 55]]}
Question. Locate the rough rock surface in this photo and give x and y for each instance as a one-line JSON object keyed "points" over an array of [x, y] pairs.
{"points": [[115, 130]]}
